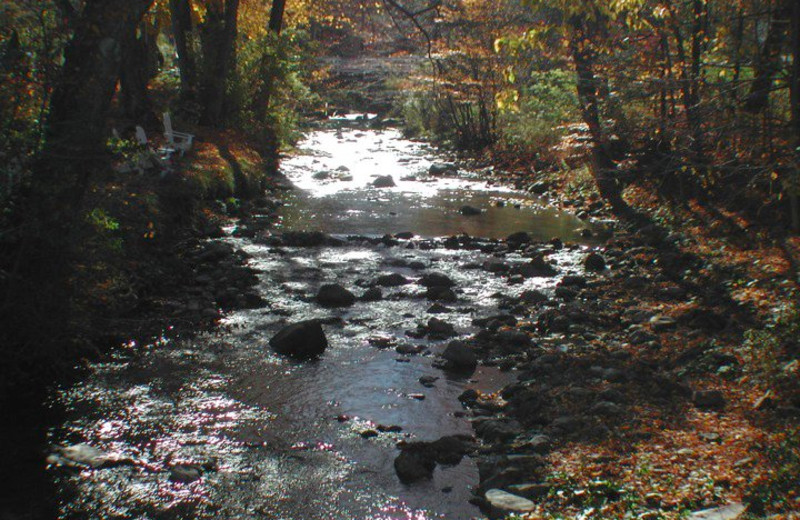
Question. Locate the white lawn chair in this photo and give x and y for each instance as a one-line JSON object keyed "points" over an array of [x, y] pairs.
{"points": [[180, 141]]}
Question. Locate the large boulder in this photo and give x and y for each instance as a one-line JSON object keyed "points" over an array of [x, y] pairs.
{"points": [[334, 295], [302, 340]]}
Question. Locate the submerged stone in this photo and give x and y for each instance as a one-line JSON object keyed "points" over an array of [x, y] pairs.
{"points": [[302, 340]]}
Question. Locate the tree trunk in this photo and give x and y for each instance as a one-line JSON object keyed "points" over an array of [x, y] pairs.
{"points": [[276, 16], [181, 13], [587, 87], [264, 94], [139, 66], [218, 37], [768, 63]]}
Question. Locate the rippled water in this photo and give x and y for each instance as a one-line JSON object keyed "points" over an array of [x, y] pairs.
{"points": [[280, 439]]}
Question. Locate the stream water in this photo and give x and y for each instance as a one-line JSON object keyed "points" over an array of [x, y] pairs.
{"points": [[274, 438]]}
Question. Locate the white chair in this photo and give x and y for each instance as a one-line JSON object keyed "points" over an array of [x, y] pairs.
{"points": [[178, 140], [141, 136]]}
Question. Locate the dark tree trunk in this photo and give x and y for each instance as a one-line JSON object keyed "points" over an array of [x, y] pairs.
{"points": [[264, 94], [602, 156], [218, 37], [139, 66], [181, 12], [276, 16], [768, 64]]}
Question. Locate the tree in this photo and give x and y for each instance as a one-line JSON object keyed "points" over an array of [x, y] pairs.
{"points": [[73, 149], [218, 33]]}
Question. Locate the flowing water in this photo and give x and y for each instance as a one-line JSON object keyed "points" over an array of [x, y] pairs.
{"points": [[274, 438]]}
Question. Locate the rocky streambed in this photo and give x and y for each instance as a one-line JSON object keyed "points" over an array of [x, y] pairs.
{"points": [[445, 362]]}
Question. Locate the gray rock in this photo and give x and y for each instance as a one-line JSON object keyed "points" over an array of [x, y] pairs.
{"points": [[470, 211], [428, 381], [383, 181], [728, 512], [83, 455], [459, 357], [185, 473], [301, 340], [503, 503], [334, 295]]}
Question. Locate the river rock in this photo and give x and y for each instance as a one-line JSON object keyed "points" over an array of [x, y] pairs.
{"points": [[392, 280], [185, 473], [728, 512], [414, 463], [459, 357], [373, 294], [493, 430], [383, 181], [660, 323], [428, 381], [334, 295], [594, 262], [301, 340], [532, 297], [83, 455], [440, 329], [496, 266], [502, 503], [517, 239], [450, 449], [439, 169], [436, 280], [470, 211], [441, 294]]}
